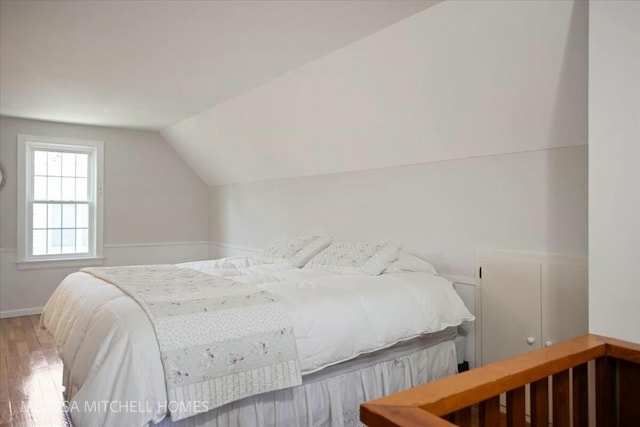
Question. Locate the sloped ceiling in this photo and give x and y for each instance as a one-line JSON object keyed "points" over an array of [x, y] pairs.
{"points": [[458, 80], [150, 64], [260, 90]]}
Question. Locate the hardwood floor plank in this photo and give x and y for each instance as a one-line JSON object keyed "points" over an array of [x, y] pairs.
{"points": [[4, 336], [51, 385], [38, 360], [35, 320], [44, 339], [4, 378], [20, 415], [16, 384], [5, 411], [12, 349], [8, 329], [22, 347], [35, 398], [29, 334]]}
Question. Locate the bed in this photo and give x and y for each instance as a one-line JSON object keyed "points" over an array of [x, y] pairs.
{"points": [[358, 337]]}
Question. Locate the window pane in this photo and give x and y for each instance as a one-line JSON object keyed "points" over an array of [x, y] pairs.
{"points": [[68, 241], [81, 189], [40, 242], [54, 187], [54, 164], [55, 216], [39, 188], [82, 217], [54, 245], [39, 215], [68, 189], [68, 164], [40, 163], [81, 165], [82, 240], [68, 216]]}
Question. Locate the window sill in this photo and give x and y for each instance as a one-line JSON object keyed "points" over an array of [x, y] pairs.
{"points": [[43, 264]]}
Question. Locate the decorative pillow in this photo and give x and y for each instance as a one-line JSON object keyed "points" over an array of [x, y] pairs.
{"points": [[355, 258], [295, 250], [409, 263]]}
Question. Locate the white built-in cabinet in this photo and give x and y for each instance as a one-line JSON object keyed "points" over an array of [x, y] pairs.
{"points": [[528, 301]]}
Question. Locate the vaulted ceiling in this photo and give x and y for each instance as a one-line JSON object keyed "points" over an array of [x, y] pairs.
{"points": [[150, 64], [257, 90]]}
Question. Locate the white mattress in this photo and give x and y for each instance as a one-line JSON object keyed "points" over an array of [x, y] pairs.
{"points": [[105, 338]]}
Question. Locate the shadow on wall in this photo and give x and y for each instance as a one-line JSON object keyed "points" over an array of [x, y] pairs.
{"points": [[571, 106]]}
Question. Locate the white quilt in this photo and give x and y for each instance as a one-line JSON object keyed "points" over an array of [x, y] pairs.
{"points": [[105, 338]]}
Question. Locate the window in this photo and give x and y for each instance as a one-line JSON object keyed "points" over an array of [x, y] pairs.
{"points": [[60, 199]]}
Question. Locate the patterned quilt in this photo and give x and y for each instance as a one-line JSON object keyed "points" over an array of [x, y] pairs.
{"points": [[219, 340]]}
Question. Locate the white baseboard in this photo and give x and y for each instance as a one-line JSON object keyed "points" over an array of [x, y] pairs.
{"points": [[21, 312]]}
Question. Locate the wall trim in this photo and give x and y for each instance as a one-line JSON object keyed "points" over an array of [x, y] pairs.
{"points": [[152, 244], [463, 280], [236, 247], [20, 312], [534, 257], [136, 245]]}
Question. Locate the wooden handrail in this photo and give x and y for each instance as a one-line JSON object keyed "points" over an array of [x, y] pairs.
{"points": [[460, 391]]}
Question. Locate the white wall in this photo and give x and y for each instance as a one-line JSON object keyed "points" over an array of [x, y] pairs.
{"points": [[460, 79], [155, 207], [614, 169], [444, 211]]}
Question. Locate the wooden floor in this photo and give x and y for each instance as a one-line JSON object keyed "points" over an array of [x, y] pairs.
{"points": [[30, 375]]}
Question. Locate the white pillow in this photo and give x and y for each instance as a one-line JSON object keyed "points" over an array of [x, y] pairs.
{"points": [[294, 250], [355, 258], [409, 263]]}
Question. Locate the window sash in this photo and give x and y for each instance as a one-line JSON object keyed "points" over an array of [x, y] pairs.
{"points": [[33, 176], [90, 227]]}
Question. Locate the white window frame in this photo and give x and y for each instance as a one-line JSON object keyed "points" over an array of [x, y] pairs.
{"points": [[26, 145]]}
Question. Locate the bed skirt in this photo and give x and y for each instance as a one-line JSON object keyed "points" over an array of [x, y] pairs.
{"points": [[332, 397]]}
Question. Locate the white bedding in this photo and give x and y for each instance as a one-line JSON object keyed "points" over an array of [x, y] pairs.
{"points": [[111, 355]]}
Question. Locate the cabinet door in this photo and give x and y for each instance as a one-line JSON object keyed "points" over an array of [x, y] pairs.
{"points": [[510, 298], [564, 302]]}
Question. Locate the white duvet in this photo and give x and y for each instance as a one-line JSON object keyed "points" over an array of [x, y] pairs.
{"points": [[113, 367]]}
